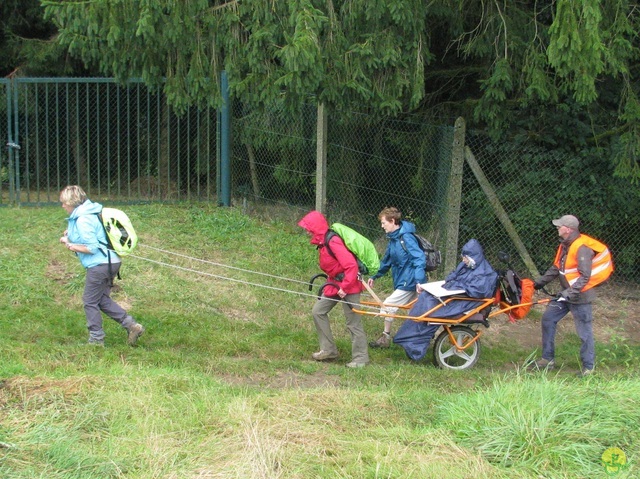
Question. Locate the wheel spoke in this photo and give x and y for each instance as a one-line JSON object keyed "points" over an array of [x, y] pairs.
{"points": [[461, 339], [463, 355], [448, 353]]}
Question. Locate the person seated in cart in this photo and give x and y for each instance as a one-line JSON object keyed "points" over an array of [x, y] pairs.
{"points": [[473, 277]]}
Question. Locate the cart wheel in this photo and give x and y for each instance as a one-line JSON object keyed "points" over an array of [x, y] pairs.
{"points": [[447, 356]]}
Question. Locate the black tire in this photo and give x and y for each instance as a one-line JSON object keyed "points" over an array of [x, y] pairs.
{"points": [[447, 356]]}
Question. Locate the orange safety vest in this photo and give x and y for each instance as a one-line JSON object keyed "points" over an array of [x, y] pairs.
{"points": [[601, 265]]}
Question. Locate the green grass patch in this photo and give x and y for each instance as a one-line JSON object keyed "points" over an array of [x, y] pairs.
{"points": [[222, 385]]}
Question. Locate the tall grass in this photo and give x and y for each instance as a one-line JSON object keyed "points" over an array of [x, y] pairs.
{"points": [[222, 385], [547, 424]]}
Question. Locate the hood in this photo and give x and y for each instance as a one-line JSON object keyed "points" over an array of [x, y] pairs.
{"points": [[316, 224], [473, 250], [405, 227], [478, 281], [86, 208]]}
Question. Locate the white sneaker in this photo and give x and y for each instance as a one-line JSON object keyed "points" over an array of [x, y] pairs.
{"points": [[354, 365]]}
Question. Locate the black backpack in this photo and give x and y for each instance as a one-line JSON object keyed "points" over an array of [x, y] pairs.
{"points": [[432, 255]]}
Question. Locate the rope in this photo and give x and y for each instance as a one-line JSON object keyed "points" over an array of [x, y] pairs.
{"points": [[191, 270], [224, 265]]}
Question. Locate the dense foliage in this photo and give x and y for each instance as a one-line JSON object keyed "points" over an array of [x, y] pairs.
{"points": [[27, 43], [510, 64]]}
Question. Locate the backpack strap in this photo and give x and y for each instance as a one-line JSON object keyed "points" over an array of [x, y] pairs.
{"points": [[404, 246], [327, 237], [107, 247]]}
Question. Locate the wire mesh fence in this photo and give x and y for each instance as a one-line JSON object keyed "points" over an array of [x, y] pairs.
{"points": [[371, 164], [506, 201], [124, 143], [532, 186]]}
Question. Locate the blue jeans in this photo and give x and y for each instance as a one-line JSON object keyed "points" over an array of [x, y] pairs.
{"points": [[583, 319]]}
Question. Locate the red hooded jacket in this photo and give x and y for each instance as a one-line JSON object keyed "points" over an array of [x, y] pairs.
{"points": [[344, 262]]}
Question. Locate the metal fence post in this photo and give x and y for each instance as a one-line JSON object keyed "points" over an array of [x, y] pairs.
{"points": [[13, 145], [224, 198], [8, 145]]}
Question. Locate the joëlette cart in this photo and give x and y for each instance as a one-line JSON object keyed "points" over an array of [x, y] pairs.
{"points": [[457, 346]]}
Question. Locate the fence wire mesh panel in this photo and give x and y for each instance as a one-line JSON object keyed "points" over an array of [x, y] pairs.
{"points": [[508, 195], [384, 162], [121, 143], [274, 155], [508, 202], [371, 163]]}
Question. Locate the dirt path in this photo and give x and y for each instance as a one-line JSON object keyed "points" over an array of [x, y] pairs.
{"points": [[616, 314]]}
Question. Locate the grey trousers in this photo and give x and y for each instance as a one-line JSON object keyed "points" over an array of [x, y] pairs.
{"points": [[97, 300], [359, 347], [583, 320]]}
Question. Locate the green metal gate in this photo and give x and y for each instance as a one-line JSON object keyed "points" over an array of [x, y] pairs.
{"points": [[120, 142]]}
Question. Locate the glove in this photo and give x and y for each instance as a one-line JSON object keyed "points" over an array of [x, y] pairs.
{"points": [[537, 286], [562, 296]]}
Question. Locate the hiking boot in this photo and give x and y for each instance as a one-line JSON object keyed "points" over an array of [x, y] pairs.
{"points": [[542, 365], [585, 372], [324, 355], [135, 331], [384, 341], [95, 342], [354, 365]]}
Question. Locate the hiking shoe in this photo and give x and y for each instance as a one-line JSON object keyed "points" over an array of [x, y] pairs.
{"points": [[135, 332], [384, 341], [95, 342], [324, 355], [542, 365], [354, 365], [585, 372]]}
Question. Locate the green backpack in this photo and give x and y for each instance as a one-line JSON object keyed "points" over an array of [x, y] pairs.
{"points": [[121, 236], [363, 249]]}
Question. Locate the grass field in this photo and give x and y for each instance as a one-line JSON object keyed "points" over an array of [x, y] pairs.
{"points": [[222, 385]]}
